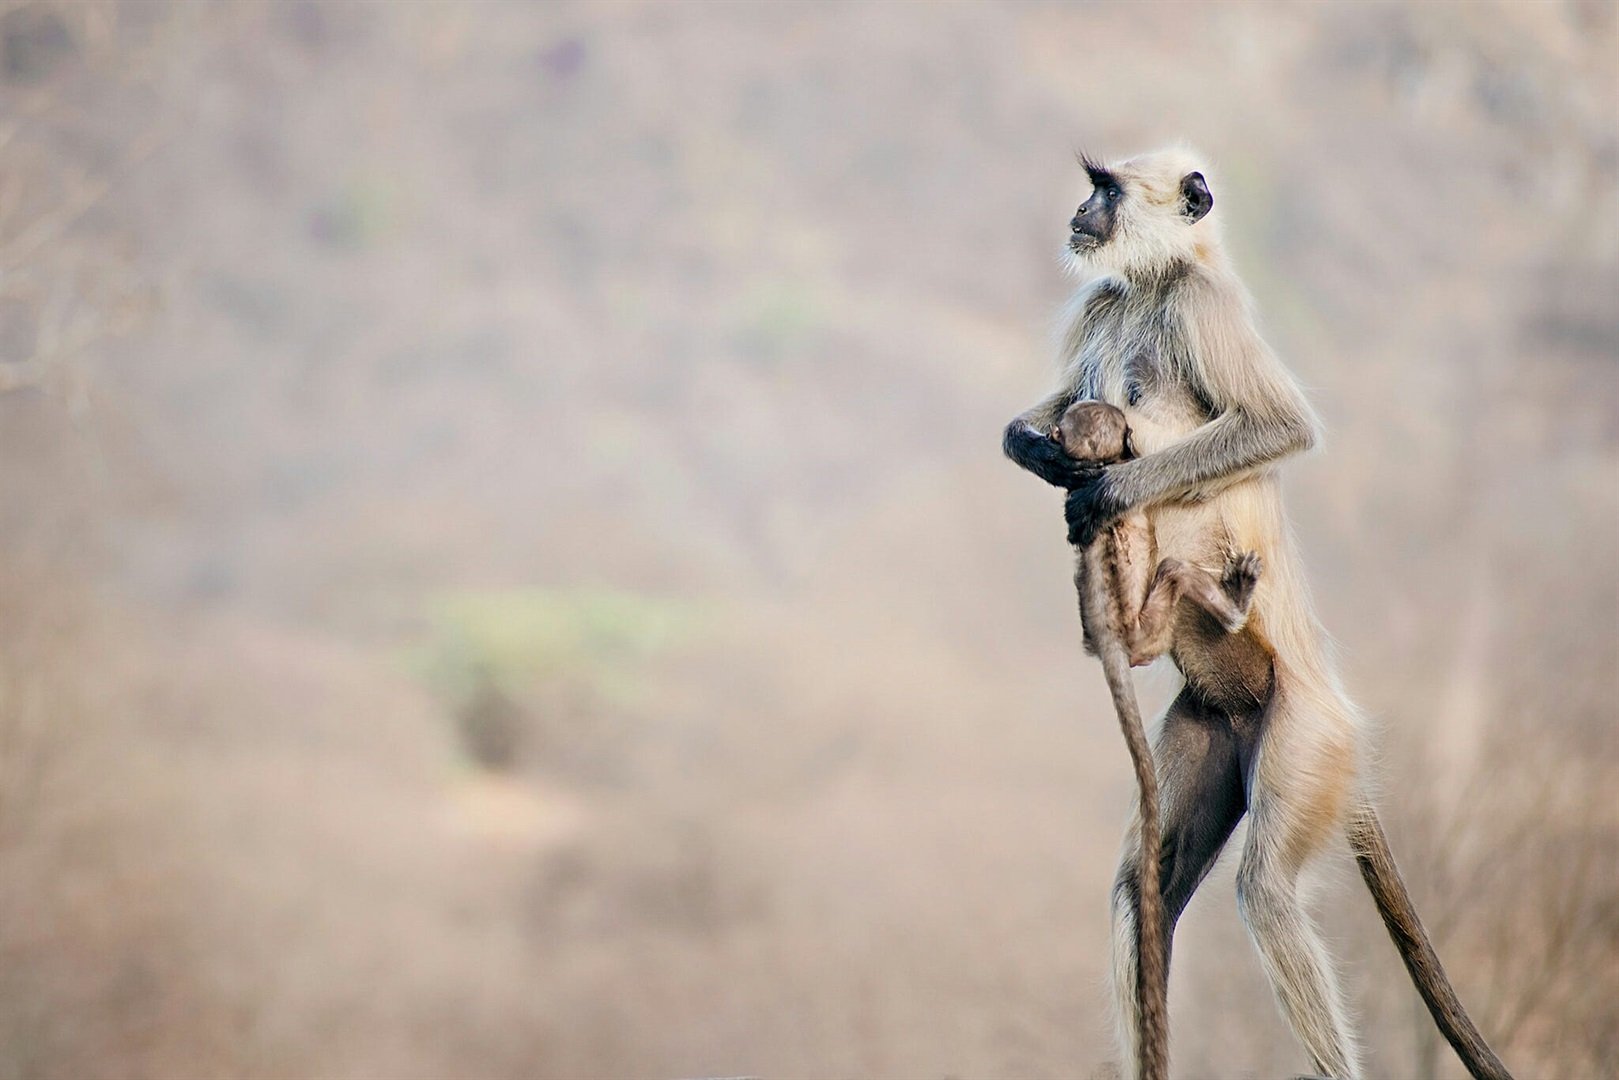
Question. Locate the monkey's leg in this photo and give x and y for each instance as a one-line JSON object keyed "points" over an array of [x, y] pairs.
{"points": [[1299, 783], [1155, 624], [1200, 794], [1228, 600]]}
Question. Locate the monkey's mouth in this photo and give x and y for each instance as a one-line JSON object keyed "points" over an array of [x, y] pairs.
{"points": [[1081, 242]]}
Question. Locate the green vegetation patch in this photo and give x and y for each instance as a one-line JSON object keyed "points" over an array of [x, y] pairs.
{"points": [[520, 638], [535, 670], [775, 321]]}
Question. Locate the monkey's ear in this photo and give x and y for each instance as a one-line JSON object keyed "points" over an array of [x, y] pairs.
{"points": [[1195, 198]]}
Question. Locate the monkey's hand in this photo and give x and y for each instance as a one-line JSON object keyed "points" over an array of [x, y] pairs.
{"points": [[1091, 506], [1044, 456]]}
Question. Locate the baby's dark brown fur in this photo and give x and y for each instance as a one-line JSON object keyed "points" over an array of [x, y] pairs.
{"points": [[1144, 593], [1094, 431]]}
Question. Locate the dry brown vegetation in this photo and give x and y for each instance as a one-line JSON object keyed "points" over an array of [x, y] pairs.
{"points": [[507, 568]]}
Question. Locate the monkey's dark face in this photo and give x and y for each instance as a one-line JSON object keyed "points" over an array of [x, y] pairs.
{"points": [[1097, 216], [1140, 216]]}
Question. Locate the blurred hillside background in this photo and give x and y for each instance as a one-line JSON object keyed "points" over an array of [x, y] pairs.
{"points": [[506, 567]]}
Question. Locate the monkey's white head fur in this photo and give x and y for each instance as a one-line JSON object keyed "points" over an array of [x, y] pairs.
{"points": [[1151, 227]]}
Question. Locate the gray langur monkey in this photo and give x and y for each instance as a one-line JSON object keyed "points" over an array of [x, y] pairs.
{"points": [[1163, 331]]}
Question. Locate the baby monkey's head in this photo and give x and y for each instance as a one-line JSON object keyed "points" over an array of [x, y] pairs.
{"points": [[1093, 431]]}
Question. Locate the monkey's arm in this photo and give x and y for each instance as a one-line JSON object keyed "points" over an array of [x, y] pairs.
{"points": [[1258, 416], [1028, 442], [1235, 444]]}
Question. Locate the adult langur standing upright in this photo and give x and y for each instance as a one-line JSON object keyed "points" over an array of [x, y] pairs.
{"points": [[1162, 329]]}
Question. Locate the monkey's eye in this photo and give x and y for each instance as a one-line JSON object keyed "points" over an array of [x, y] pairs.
{"points": [[1114, 192]]}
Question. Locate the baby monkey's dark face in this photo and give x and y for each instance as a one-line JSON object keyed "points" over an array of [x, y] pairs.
{"points": [[1093, 431]]}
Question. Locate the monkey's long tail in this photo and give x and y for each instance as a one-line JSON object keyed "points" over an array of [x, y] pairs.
{"points": [[1152, 976], [1400, 916]]}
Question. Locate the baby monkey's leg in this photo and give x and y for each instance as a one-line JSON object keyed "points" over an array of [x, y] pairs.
{"points": [[1227, 599]]}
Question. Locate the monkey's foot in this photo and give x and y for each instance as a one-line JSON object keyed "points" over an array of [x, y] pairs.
{"points": [[1241, 576]]}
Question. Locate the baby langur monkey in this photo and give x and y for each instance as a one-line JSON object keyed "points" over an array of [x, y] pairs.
{"points": [[1144, 593]]}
